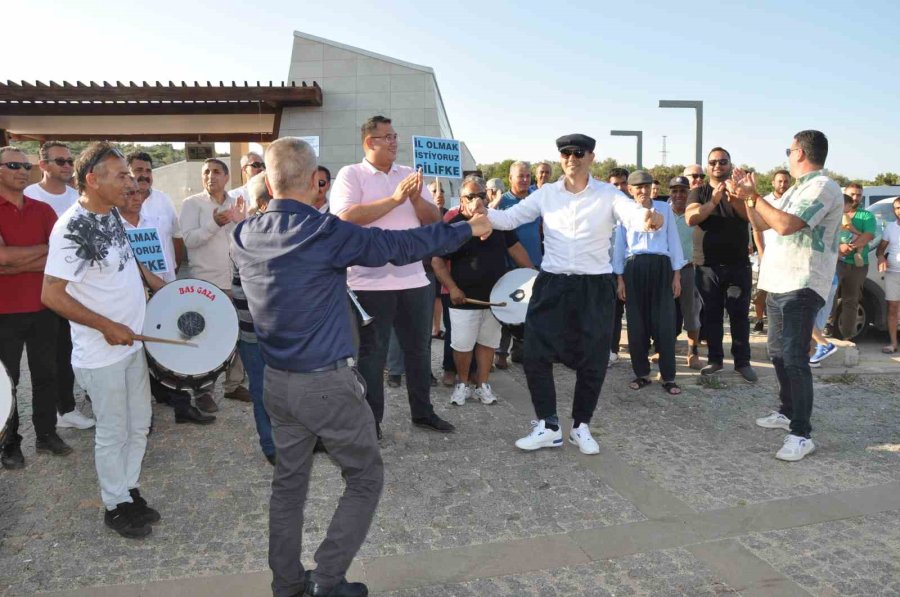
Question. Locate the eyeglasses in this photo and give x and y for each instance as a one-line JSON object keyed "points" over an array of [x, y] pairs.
{"points": [[788, 151], [62, 161], [722, 162], [698, 176], [257, 165], [18, 165], [474, 196], [322, 183], [389, 138], [578, 153], [114, 151]]}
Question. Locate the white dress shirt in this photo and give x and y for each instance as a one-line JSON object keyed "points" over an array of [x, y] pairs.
{"points": [[577, 226], [208, 243]]}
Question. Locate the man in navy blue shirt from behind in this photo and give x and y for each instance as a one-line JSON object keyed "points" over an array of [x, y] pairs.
{"points": [[292, 262]]}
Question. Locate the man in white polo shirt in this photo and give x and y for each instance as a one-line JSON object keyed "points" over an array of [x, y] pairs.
{"points": [[158, 207], [379, 193], [57, 166], [207, 220]]}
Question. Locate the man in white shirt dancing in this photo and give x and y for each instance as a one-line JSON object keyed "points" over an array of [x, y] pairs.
{"points": [[570, 313]]}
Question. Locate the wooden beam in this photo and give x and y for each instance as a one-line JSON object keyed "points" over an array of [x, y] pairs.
{"points": [[287, 96], [135, 109], [170, 138]]}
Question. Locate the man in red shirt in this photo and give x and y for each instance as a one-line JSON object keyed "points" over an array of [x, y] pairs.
{"points": [[25, 226]]}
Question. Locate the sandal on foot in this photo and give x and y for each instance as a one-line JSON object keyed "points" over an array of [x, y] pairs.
{"points": [[671, 388], [639, 383], [889, 349]]}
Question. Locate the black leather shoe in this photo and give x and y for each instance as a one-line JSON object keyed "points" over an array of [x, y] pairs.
{"points": [[435, 423], [193, 415], [393, 381], [53, 444], [343, 589], [142, 512], [12, 457]]}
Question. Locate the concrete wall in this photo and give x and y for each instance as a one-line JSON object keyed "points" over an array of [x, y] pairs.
{"points": [[356, 85]]}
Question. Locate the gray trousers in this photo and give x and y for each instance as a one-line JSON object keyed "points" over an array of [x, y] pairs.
{"points": [[332, 406]]}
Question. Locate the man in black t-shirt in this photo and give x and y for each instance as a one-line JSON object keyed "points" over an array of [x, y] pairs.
{"points": [[473, 270], [722, 264]]}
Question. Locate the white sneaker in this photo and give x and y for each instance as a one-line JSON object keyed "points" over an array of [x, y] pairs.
{"points": [[460, 392], [74, 419], [581, 437], [485, 394], [795, 448], [540, 437], [774, 420], [613, 359]]}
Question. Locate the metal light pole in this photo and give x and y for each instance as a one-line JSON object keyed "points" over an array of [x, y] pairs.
{"points": [[698, 106], [640, 144]]}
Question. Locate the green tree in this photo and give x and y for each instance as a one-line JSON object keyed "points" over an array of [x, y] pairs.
{"points": [[887, 178], [162, 153]]}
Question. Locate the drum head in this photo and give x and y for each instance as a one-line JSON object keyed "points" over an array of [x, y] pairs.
{"points": [[514, 289], [196, 311], [6, 400]]}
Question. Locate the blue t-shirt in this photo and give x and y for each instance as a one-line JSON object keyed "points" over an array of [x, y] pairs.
{"points": [[529, 234]]}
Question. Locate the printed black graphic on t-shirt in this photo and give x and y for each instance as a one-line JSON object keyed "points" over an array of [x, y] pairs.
{"points": [[92, 236]]}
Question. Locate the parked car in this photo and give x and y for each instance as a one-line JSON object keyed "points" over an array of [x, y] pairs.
{"points": [[872, 308]]}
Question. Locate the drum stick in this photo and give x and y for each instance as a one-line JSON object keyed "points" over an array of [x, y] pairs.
{"points": [[484, 303], [165, 341]]}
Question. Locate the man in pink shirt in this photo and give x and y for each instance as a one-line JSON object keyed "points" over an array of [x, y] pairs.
{"points": [[381, 194]]}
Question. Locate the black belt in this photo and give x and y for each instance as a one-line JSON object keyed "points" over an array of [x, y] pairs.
{"points": [[338, 364]]}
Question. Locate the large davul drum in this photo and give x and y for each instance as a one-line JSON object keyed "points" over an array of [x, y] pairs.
{"points": [[198, 312]]}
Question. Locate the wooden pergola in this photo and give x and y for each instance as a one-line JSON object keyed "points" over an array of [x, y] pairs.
{"points": [[148, 112]]}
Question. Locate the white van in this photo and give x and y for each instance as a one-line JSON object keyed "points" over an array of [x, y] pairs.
{"points": [[872, 195]]}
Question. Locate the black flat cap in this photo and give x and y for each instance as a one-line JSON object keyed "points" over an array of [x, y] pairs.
{"points": [[679, 181], [576, 141], [639, 177]]}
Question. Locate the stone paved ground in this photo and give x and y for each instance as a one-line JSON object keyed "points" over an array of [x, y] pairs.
{"points": [[684, 499]]}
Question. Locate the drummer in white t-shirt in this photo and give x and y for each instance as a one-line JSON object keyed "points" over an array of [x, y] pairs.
{"points": [[93, 279], [58, 166], [158, 206]]}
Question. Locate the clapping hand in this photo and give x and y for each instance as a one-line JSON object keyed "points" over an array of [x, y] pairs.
{"points": [[743, 184], [238, 211]]}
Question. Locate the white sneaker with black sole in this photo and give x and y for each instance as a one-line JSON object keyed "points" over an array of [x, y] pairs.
{"points": [[581, 437], [485, 394], [795, 448], [774, 420], [540, 437], [460, 393]]}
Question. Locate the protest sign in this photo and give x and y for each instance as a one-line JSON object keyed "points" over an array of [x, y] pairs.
{"points": [[148, 249], [437, 157]]}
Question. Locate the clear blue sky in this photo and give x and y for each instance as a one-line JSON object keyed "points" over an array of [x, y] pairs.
{"points": [[515, 75]]}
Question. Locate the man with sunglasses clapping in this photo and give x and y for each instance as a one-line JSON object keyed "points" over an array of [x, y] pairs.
{"points": [[722, 264]]}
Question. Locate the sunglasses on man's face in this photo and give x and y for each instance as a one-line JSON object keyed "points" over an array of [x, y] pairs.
{"points": [[257, 165], [17, 165], [474, 196], [62, 161], [578, 153], [698, 176], [722, 162]]}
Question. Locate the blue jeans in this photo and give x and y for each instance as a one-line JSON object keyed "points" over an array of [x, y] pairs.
{"points": [[791, 318], [254, 366], [824, 312]]}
